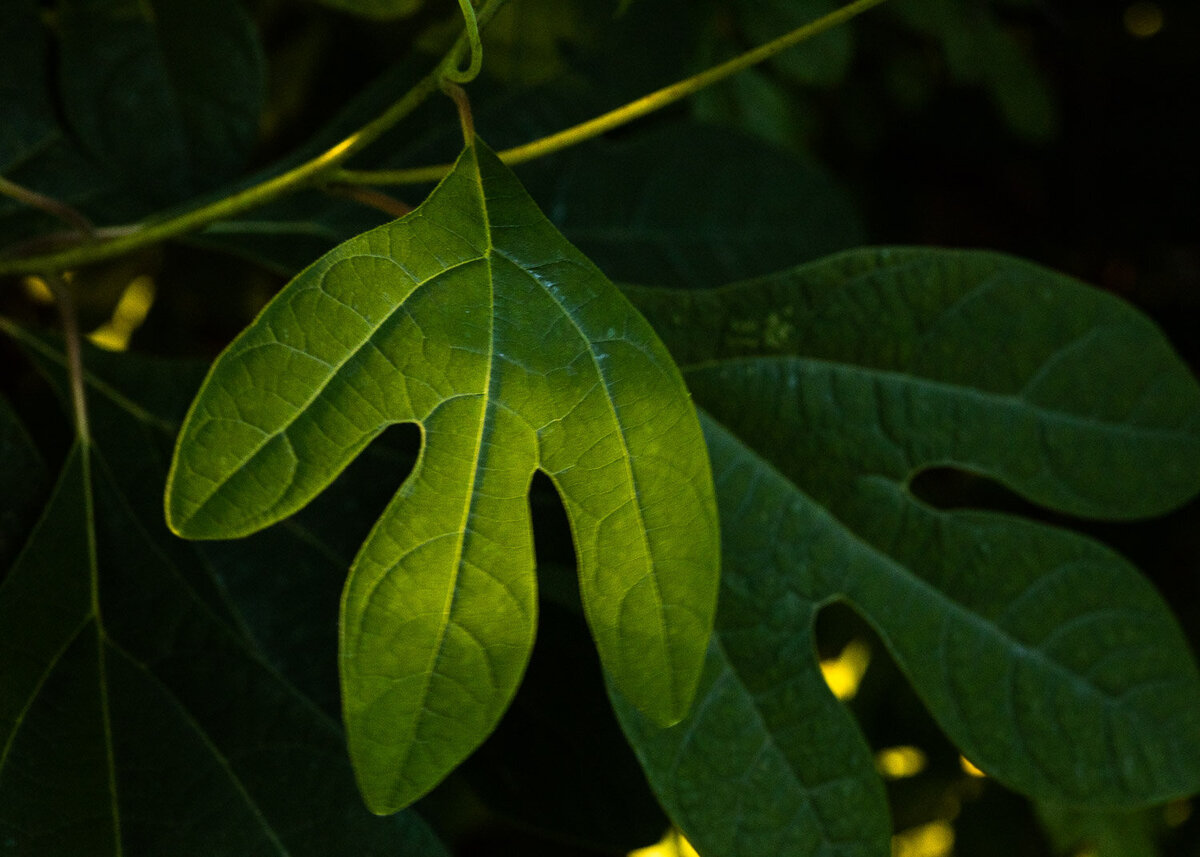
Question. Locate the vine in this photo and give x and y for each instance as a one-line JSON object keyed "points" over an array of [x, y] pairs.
{"points": [[325, 168]]}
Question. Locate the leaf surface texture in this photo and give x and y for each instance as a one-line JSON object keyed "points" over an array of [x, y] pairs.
{"points": [[137, 715], [1044, 656], [474, 318]]}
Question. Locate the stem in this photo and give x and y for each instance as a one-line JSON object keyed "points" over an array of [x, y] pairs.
{"points": [[623, 115], [66, 309], [371, 198], [309, 173], [454, 74], [61, 210], [251, 197], [465, 119]]}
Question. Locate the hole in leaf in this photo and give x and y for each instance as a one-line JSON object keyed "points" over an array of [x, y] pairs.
{"points": [[553, 546], [950, 488]]}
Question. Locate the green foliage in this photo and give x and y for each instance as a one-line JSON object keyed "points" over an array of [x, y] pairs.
{"points": [[599, 575], [165, 93], [830, 387], [130, 677], [475, 318], [380, 9]]}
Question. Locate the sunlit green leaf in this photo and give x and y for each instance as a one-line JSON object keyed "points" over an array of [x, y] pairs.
{"points": [[135, 716], [1044, 656], [473, 317], [165, 93]]}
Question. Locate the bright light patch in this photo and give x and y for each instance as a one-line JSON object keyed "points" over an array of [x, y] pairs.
{"points": [[969, 768], [672, 844], [36, 290], [896, 763], [844, 673], [1143, 19], [935, 839], [130, 312]]}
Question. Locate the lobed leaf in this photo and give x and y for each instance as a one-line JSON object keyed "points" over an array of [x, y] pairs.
{"points": [[136, 716], [474, 318], [1044, 656], [768, 761]]}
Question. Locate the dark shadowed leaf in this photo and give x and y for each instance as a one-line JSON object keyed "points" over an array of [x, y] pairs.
{"points": [[820, 61], [382, 9], [24, 481], [136, 716], [1044, 656], [165, 93], [693, 206]]}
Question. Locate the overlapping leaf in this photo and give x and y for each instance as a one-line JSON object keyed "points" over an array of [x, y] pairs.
{"points": [[382, 9], [164, 93], [692, 205], [475, 318], [23, 484], [1043, 655], [822, 61], [136, 717]]}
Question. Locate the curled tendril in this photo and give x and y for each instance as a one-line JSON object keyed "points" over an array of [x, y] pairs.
{"points": [[468, 74]]}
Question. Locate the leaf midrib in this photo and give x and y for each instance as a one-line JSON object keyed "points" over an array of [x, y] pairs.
{"points": [[461, 541], [626, 460], [897, 571], [948, 389]]}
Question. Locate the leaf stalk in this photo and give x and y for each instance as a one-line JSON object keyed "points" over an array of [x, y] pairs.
{"points": [[326, 167], [65, 302], [627, 113], [311, 172]]}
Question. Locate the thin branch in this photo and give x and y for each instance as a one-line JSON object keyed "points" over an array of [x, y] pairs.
{"points": [[370, 197], [463, 104], [622, 115], [66, 309], [305, 175], [68, 215]]}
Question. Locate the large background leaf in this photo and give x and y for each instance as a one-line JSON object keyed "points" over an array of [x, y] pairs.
{"points": [[475, 318], [23, 483], [165, 93], [137, 716], [1044, 656]]}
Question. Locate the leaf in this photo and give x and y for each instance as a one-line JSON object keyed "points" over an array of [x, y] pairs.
{"points": [[979, 50], [378, 9], [820, 61], [1044, 656], [768, 762], [474, 318], [135, 716], [34, 150], [694, 206], [24, 481], [166, 93], [558, 762], [24, 99]]}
